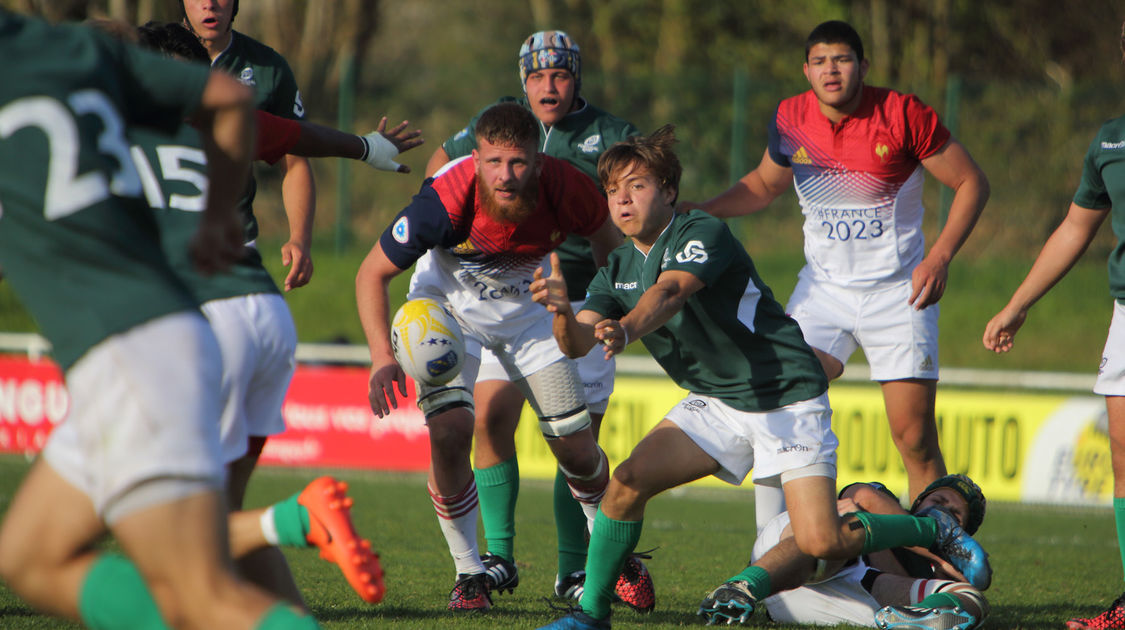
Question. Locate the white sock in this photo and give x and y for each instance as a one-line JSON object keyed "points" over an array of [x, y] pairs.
{"points": [[457, 516], [269, 527]]}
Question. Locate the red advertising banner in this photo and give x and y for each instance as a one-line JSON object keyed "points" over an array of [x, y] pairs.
{"points": [[329, 420]]}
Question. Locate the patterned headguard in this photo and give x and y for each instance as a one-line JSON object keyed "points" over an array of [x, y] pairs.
{"points": [[550, 49], [967, 489]]}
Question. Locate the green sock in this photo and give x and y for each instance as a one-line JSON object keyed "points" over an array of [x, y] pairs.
{"points": [[758, 579], [282, 617], [1119, 518], [610, 545], [570, 523], [940, 600], [114, 595], [885, 531], [497, 489], [292, 522]]}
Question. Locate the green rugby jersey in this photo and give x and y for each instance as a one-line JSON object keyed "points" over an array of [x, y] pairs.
{"points": [[173, 170], [1103, 187], [275, 88], [579, 138], [77, 241], [732, 340]]}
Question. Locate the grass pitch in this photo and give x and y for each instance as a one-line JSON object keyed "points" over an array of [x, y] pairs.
{"points": [[1051, 563]]}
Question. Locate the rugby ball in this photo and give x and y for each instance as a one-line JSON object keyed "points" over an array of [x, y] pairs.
{"points": [[427, 342]]}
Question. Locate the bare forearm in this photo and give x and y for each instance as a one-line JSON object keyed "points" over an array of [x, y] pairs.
{"points": [[298, 193], [658, 304], [1065, 246], [575, 339], [968, 203], [320, 141], [372, 302]]}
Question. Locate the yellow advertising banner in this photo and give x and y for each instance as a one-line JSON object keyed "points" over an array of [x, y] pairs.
{"points": [[1018, 446]]}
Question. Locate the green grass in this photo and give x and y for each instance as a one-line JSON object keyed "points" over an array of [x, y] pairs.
{"points": [[1050, 563]]}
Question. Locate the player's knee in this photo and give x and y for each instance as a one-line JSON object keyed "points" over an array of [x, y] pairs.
{"points": [[565, 424], [629, 486], [820, 542]]}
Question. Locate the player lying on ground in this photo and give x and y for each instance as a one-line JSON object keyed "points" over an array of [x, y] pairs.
{"points": [[893, 588]]}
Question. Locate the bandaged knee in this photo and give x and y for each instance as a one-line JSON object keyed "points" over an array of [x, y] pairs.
{"points": [[555, 393], [442, 399]]}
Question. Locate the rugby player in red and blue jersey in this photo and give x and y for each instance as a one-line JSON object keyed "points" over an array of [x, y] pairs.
{"points": [[855, 154]]}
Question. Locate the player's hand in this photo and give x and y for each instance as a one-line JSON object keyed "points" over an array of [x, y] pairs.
{"points": [[550, 291], [381, 387], [218, 242], [942, 567], [296, 256], [612, 335], [1000, 332], [383, 145], [928, 280]]}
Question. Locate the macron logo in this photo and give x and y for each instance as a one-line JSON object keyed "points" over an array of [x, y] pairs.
{"points": [[625, 286], [1113, 146]]}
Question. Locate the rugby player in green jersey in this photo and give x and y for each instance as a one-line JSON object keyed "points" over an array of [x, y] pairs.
{"points": [[138, 455], [688, 290], [1100, 194]]}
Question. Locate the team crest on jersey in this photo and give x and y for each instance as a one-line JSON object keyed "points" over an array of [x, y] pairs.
{"points": [[801, 157], [401, 230], [590, 145], [694, 251], [246, 77], [461, 134], [298, 106], [882, 150]]}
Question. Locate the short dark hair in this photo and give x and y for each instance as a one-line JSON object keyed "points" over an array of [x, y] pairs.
{"points": [[173, 40], [653, 152], [835, 32], [509, 125]]}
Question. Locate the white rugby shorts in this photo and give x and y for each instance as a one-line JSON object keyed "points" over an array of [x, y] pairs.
{"points": [[769, 442], [596, 373], [898, 341], [258, 342], [144, 407], [1111, 370]]}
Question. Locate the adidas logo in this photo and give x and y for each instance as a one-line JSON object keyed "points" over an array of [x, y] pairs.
{"points": [[801, 157], [926, 364]]}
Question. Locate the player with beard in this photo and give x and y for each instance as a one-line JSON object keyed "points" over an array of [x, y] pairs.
{"points": [[573, 129], [476, 232]]}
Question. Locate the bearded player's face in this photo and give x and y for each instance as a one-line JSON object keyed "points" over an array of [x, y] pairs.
{"points": [[508, 181]]}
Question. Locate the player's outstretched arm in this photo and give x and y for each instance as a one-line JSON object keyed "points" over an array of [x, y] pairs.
{"points": [[298, 193], [225, 120], [378, 148], [573, 332], [1064, 247], [953, 166], [752, 193], [373, 303]]}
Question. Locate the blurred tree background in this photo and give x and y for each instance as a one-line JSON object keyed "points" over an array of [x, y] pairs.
{"points": [[1023, 85]]}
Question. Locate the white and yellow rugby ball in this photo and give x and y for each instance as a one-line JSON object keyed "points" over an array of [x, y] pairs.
{"points": [[427, 342]]}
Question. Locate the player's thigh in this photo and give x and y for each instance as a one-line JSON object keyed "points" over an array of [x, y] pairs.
{"points": [[48, 523], [909, 402], [144, 407], [665, 458], [827, 316], [724, 434], [899, 341]]}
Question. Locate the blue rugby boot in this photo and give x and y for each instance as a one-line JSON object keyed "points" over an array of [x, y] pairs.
{"points": [[959, 548]]}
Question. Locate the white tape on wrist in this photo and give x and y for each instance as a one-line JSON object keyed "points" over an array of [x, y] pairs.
{"points": [[380, 152]]}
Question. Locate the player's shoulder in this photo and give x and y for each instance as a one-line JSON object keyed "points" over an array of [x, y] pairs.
{"points": [[888, 99], [696, 220], [591, 114], [254, 51], [1112, 131]]}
